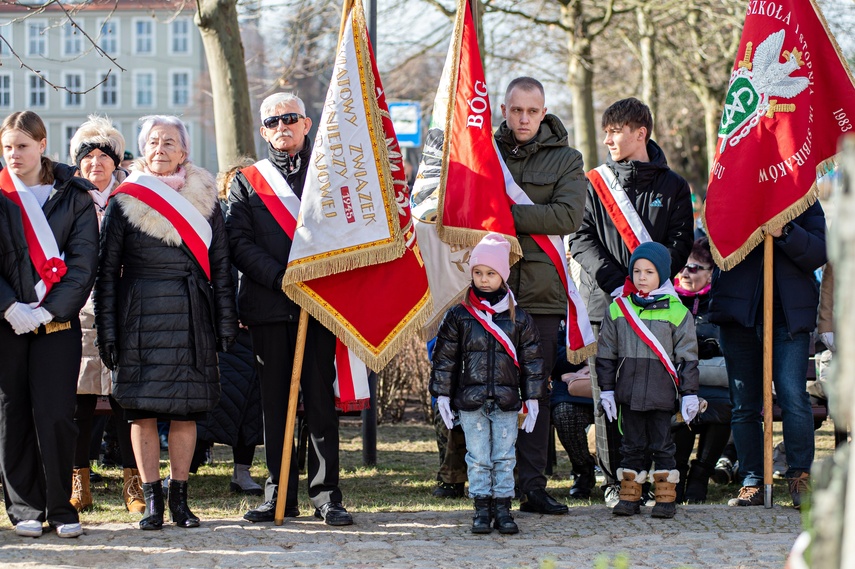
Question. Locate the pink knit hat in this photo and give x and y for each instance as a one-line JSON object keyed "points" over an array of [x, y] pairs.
{"points": [[493, 251]]}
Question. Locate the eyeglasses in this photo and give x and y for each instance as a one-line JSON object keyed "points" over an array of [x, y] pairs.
{"points": [[693, 268], [287, 118]]}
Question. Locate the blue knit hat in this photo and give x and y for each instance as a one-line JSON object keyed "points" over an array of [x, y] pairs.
{"points": [[656, 254]]}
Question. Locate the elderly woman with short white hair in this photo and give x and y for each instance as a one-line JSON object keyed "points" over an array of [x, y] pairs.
{"points": [[164, 305]]}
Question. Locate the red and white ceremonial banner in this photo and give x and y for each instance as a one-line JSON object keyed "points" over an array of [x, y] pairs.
{"points": [[465, 188], [355, 264], [791, 97]]}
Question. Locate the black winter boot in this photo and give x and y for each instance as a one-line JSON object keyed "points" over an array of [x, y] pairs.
{"points": [[697, 482], [153, 515], [504, 520], [681, 485], [179, 511], [584, 483], [481, 521]]}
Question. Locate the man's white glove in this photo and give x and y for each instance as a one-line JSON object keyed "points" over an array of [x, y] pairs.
{"points": [[21, 317], [689, 408], [607, 399], [828, 339], [531, 418], [443, 403], [42, 315]]}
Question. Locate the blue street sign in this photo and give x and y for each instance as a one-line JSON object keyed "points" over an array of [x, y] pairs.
{"points": [[407, 120]]}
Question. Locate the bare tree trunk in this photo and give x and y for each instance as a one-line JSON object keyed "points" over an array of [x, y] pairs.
{"points": [[580, 82], [217, 21], [647, 58]]}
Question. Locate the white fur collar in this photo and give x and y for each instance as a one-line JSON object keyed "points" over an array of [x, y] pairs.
{"points": [[200, 190]]}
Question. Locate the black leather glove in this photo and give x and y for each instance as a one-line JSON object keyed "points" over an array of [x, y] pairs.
{"points": [[224, 344], [110, 356]]}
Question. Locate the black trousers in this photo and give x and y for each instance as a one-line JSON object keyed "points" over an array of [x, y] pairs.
{"points": [[646, 435], [38, 385], [532, 447], [273, 346]]}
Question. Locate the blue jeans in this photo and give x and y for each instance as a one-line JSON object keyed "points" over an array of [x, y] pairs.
{"points": [[491, 436], [743, 354]]}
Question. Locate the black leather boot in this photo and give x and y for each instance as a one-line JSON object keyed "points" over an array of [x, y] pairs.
{"points": [[179, 511], [481, 521], [584, 483], [153, 515], [504, 520], [697, 482]]}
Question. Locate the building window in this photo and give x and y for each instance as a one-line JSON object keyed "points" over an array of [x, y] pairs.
{"points": [[5, 91], [180, 30], [143, 32], [108, 40], [71, 40], [68, 131], [4, 48], [74, 84], [180, 88], [109, 89], [144, 89], [36, 38], [37, 92]]}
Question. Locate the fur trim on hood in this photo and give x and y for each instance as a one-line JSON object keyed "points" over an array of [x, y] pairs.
{"points": [[200, 190]]}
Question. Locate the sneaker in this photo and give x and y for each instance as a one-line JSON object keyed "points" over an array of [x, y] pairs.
{"points": [[611, 495], [29, 528], [68, 530], [799, 487], [723, 473], [748, 496]]}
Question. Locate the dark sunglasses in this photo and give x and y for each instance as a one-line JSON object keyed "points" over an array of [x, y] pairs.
{"points": [[287, 118], [693, 268]]}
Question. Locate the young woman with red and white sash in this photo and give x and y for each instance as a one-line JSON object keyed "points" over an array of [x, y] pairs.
{"points": [[487, 360], [164, 305], [50, 230]]}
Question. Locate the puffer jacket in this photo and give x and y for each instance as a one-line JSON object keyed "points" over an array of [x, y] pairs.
{"points": [[260, 248], [158, 307], [469, 365], [553, 176], [662, 199], [16, 283], [627, 366]]}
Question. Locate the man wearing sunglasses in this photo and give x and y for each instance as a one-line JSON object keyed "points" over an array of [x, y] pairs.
{"points": [[634, 197], [260, 231]]}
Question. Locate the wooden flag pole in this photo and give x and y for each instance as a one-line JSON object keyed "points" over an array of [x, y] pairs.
{"points": [[768, 253], [288, 443]]}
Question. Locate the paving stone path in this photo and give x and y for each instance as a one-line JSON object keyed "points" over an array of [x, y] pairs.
{"points": [[699, 537]]}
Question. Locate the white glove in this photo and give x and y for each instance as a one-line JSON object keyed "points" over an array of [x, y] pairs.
{"points": [[21, 317], [443, 403], [689, 408], [828, 339], [531, 418], [42, 315], [607, 399]]}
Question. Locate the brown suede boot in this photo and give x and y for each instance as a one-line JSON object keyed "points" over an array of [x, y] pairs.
{"points": [[81, 495], [665, 491], [630, 492], [132, 492]]}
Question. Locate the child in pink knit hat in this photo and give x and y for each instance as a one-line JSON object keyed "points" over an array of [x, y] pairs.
{"points": [[486, 362]]}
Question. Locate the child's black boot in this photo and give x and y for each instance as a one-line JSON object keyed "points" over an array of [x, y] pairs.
{"points": [[665, 482], [504, 520], [630, 492], [481, 521]]}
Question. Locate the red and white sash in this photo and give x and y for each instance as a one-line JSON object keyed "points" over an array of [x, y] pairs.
{"points": [[483, 313], [351, 384], [643, 332], [191, 225], [41, 242], [579, 332], [621, 211]]}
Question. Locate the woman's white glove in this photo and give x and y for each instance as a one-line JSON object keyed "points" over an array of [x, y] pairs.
{"points": [[607, 399], [530, 419], [21, 317], [689, 408], [828, 339], [443, 403], [42, 315]]}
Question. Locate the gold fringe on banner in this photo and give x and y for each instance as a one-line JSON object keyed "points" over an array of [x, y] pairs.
{"points": [[333, 262], [582, 354], [432, 326], [466, 237], [375, 357]]}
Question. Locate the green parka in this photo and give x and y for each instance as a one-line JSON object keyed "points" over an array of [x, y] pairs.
{"points": [[552, 175]]}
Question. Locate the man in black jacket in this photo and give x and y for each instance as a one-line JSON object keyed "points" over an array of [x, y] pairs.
{"points": [[659, 201], [260, 247]]}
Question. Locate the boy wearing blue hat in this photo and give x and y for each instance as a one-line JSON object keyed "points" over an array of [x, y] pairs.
{"points": [[647, 359]]}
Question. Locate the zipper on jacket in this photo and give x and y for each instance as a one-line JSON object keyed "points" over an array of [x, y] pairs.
{"points": [[491, 357]]}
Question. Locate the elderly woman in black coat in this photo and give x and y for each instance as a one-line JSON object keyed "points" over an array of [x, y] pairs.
{"points": [[164, 305]]}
